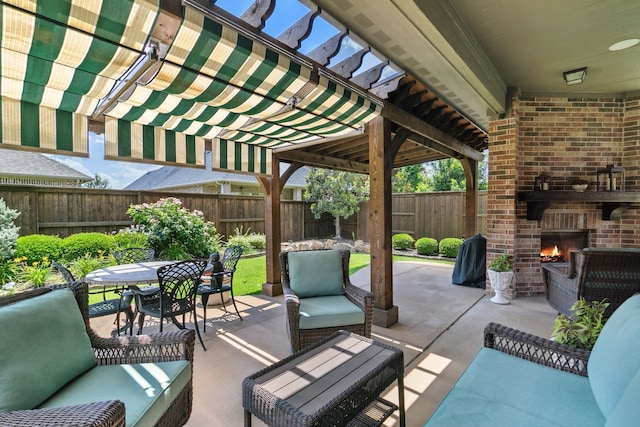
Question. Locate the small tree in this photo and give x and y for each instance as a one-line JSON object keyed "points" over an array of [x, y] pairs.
{"points": [[8, 230], [98, 181], [336, 193]]}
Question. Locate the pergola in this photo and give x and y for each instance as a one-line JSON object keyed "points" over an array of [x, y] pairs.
{"points": [[169, 82]]}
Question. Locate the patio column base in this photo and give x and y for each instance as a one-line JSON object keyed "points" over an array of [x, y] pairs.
{"points": [[385, 318], [272, 289]]}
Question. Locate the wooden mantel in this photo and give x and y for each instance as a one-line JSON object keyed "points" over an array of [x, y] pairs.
{"points": [[612, 202]]}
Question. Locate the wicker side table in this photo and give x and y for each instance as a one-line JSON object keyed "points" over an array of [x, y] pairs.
{"points": [[336, 382]]}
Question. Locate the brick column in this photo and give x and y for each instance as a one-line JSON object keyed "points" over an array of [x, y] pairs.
{"points": [[501, 198]]}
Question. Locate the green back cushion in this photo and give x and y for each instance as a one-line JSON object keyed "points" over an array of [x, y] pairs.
{"points": [[44, 345], [315, 273], [614, 361]]}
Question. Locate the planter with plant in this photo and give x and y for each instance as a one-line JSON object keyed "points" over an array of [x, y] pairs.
{"points": [[501, 277], [581, 330]]}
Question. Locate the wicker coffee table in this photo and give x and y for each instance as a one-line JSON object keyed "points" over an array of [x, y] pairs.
{"points": [[336, 382]]}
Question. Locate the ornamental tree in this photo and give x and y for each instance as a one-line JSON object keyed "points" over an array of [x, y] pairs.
{"points": [[8, 230], [336, 193]]}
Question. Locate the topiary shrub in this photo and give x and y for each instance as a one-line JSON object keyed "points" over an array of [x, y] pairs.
{"points": [[36, 247], [449, 247], [426, 246], [401, 241], [79, 245]]}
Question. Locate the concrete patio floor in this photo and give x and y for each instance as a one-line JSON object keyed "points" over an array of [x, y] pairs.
{"points": [[439, 330]]}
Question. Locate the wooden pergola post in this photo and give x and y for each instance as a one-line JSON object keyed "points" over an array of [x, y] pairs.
{"points": [[470, 167], [273, 234], [380, 167]]}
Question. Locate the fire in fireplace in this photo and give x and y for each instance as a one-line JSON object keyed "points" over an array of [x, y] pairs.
{"points": [[555, 244]]}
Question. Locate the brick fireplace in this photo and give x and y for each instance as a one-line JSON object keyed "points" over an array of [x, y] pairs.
{"points": [[564, 138]]}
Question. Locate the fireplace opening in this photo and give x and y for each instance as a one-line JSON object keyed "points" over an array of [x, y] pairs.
{"points": [[555, 244]]}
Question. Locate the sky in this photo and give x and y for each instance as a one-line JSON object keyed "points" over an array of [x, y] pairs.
{"points": [[286, 12]]}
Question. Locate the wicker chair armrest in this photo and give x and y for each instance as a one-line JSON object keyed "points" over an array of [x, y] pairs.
{"points": [[536, 349], [360, 297], [97, 414], [162, 347]]}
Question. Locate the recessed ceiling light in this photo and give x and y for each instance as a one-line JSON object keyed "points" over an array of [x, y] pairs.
{"points": [[624, 44]]}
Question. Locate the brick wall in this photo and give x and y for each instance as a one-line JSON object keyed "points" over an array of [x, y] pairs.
{"points": [[562, 137]]}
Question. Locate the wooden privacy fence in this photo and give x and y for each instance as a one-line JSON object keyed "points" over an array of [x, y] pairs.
{"points": [[64, 211]]}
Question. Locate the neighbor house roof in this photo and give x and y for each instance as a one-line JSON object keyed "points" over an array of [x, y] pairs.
{"points": [[168, 177], [25, 167]]}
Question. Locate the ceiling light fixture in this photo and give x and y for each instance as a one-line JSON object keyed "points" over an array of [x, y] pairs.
{"points": [[624, 44], [575, 77]]}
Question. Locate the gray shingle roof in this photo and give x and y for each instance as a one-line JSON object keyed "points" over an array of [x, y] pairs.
{"points": [[17, 163], [172, 177]]}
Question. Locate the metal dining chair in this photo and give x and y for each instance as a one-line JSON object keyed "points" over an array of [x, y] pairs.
{"points": [[175, 296], [221, 279], [130, 256], [105, 307]]}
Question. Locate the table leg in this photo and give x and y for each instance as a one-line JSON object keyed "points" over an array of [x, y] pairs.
{"points": [[247, 418]]}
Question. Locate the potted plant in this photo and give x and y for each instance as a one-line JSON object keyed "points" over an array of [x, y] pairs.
{"points": [[578, 184], [501, 276], [583, 329]]}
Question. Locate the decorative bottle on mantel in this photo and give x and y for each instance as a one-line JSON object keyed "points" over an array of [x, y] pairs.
{"points": [[611, 178]]}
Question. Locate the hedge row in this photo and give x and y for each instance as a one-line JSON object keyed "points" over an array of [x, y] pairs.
{"points": [[447, 247]]}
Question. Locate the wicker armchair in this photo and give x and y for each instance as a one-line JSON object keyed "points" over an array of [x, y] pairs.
{"points": [[169, 346], [593, 274], [301, 337]]}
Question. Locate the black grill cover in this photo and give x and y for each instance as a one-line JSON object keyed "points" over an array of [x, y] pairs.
{"points": [[470, 268]]}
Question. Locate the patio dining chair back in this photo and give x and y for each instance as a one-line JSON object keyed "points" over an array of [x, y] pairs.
{"points": [[104, 307], [133, 255], [175, 296], [130, 256], [221, 280]]}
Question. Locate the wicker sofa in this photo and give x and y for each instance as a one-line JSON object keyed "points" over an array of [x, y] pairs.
{"points": [[593, 274], [519, 379], [56, 371]]}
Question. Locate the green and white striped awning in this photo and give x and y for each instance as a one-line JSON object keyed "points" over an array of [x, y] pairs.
{"points": [[32, 126], [62, 60], [66, 56]]}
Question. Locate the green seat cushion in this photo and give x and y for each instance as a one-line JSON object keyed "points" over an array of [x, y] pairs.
{"points": [[627, 411], [498, 389], [315, 273], [44, 345], [147, 389], [614, 360], [328, 312]]}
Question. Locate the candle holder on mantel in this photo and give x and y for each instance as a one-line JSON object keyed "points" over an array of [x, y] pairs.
{"points": [[611, 178], [542, 182]]}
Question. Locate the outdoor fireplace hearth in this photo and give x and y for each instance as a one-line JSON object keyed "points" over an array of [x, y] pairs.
{"points": [[555, 244]]}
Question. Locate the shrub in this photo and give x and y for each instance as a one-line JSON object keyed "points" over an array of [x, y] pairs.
{"points": [[449, 246], [78, 245], [427, 246], [8, 231], [131, 237], [502, 263], [36, 273], [249, 242], [7, 271], [88, 263], [173, 231], [401, 241], [35, 247]]}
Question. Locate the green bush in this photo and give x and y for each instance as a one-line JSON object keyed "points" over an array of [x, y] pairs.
{"points": [[8, 231], [36, 247], [175, 232], [249, 242], [401, 241], [132, 237], [427, 246], [80, 244], [449, 246]]}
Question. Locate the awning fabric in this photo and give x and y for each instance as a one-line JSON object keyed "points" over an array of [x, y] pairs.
{"points": [[34, 126], [58, 58], [133, 141], [214, 82]]}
